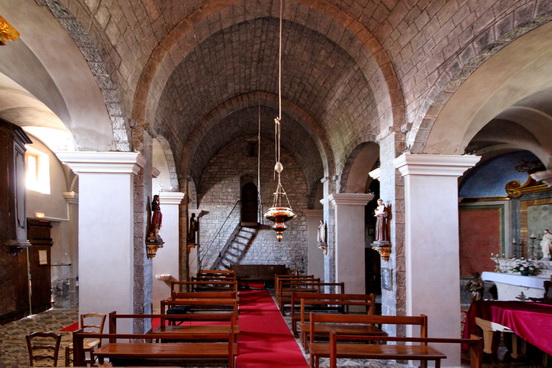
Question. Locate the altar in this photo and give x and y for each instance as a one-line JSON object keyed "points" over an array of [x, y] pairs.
{"points": [[532, 322], [510, 286]]}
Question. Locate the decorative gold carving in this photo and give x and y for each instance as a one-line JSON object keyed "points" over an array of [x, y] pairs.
{"points": [[523, 209], [7, 32], [384, 251], [515, 189]]}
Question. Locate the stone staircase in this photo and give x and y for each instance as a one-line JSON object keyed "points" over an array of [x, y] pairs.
{"points": [[236, 247]]}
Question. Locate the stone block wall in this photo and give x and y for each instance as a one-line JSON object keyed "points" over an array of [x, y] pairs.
{"points": [[220, 188]]}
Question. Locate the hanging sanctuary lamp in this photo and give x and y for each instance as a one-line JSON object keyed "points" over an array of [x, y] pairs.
{"points": [[279, 213]]}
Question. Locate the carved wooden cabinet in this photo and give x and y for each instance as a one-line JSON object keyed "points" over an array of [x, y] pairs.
{"points": [[13, 220], [13, 223]]}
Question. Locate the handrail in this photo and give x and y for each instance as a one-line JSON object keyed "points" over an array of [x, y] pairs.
{"points": [[212, 245]]}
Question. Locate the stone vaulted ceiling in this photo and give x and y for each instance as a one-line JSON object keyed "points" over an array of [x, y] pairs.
{"points": [[194, 73]]}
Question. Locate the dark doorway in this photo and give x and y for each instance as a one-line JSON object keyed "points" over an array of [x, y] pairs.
{"points": [[373, 272], [249, 206], [372, 257], [40, 264]]}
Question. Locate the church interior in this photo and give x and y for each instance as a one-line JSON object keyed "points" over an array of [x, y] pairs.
{"points": [[145, 141]]}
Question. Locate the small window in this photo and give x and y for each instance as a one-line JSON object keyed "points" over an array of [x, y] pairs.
{"points": [[37, 171]]}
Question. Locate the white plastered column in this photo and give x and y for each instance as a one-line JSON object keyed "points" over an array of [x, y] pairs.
{"points": [[166, 262], [432, 242], [106, 229], [349, 239], [315, 255]]}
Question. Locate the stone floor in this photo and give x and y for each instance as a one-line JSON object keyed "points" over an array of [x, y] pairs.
{"points": [[13, 348]]}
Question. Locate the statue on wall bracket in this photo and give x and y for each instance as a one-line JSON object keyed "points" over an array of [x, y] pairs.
{"points": [[381, 244], [321, 237], [153, 239]]}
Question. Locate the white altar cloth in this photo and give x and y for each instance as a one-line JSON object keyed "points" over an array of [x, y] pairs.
{"points": [[510, 286]]}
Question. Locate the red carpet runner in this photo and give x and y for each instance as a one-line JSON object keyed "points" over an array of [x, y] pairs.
{"points": [[265, 340]]}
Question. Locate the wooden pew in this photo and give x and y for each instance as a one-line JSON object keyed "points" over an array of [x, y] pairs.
{"points": [[220, 273], [287, 287], [337, 303], [278, 278], [205, 285], [196, 305], [194, 323], [295, 303], [215, 275], [130, 353], [421, 351]]}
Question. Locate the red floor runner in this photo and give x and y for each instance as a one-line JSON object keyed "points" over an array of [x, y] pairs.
{"points": [[265, 340]]}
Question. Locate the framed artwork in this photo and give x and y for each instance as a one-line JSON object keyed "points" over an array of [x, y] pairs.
{"points": [[387, 279]]}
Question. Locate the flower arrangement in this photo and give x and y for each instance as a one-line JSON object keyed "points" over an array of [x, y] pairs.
{"points": [[526, 267]]}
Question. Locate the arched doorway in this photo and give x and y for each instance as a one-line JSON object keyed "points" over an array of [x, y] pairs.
{"points": [[249, 205]]}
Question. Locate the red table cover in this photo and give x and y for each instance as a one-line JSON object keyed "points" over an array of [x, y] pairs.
{"points": [[530, 321]]}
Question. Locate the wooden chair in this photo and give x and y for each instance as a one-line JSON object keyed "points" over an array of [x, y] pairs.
{"points": [[89, 322], [43, 347]]}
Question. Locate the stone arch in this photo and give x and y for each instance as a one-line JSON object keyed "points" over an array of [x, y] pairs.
{"points": [[103, 72], [428, 133], [355, 176], [171, 166], [377, 67], [19, 106], [253, 99], [515, 73]]}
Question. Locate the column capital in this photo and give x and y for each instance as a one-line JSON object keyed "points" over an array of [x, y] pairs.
{"points": [[198, 212], [171, 198], [434, 165], [103, 162], [71, 197], [375, 174], [350, 199]]}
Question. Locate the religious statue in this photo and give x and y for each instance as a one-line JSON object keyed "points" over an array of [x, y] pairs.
{"points": [[381, 224], [321, 237], [475, 286], [153, 240], [156, 219], [546, 245], [192, 230]]}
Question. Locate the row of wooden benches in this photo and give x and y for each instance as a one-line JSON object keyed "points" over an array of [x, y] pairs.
{"points": [[323, 319], [199, 319], [322, 334], [218, 341]]}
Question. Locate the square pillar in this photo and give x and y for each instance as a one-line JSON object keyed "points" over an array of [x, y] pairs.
{"points": [[349, 240], [432, 242], [315, 255], [106, 229], [166, 262]]}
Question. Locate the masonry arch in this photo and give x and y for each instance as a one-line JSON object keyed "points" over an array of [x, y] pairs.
{"points": [[313, 133], [72, 92], [365, 49], [355, 176], [511, 86]]}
